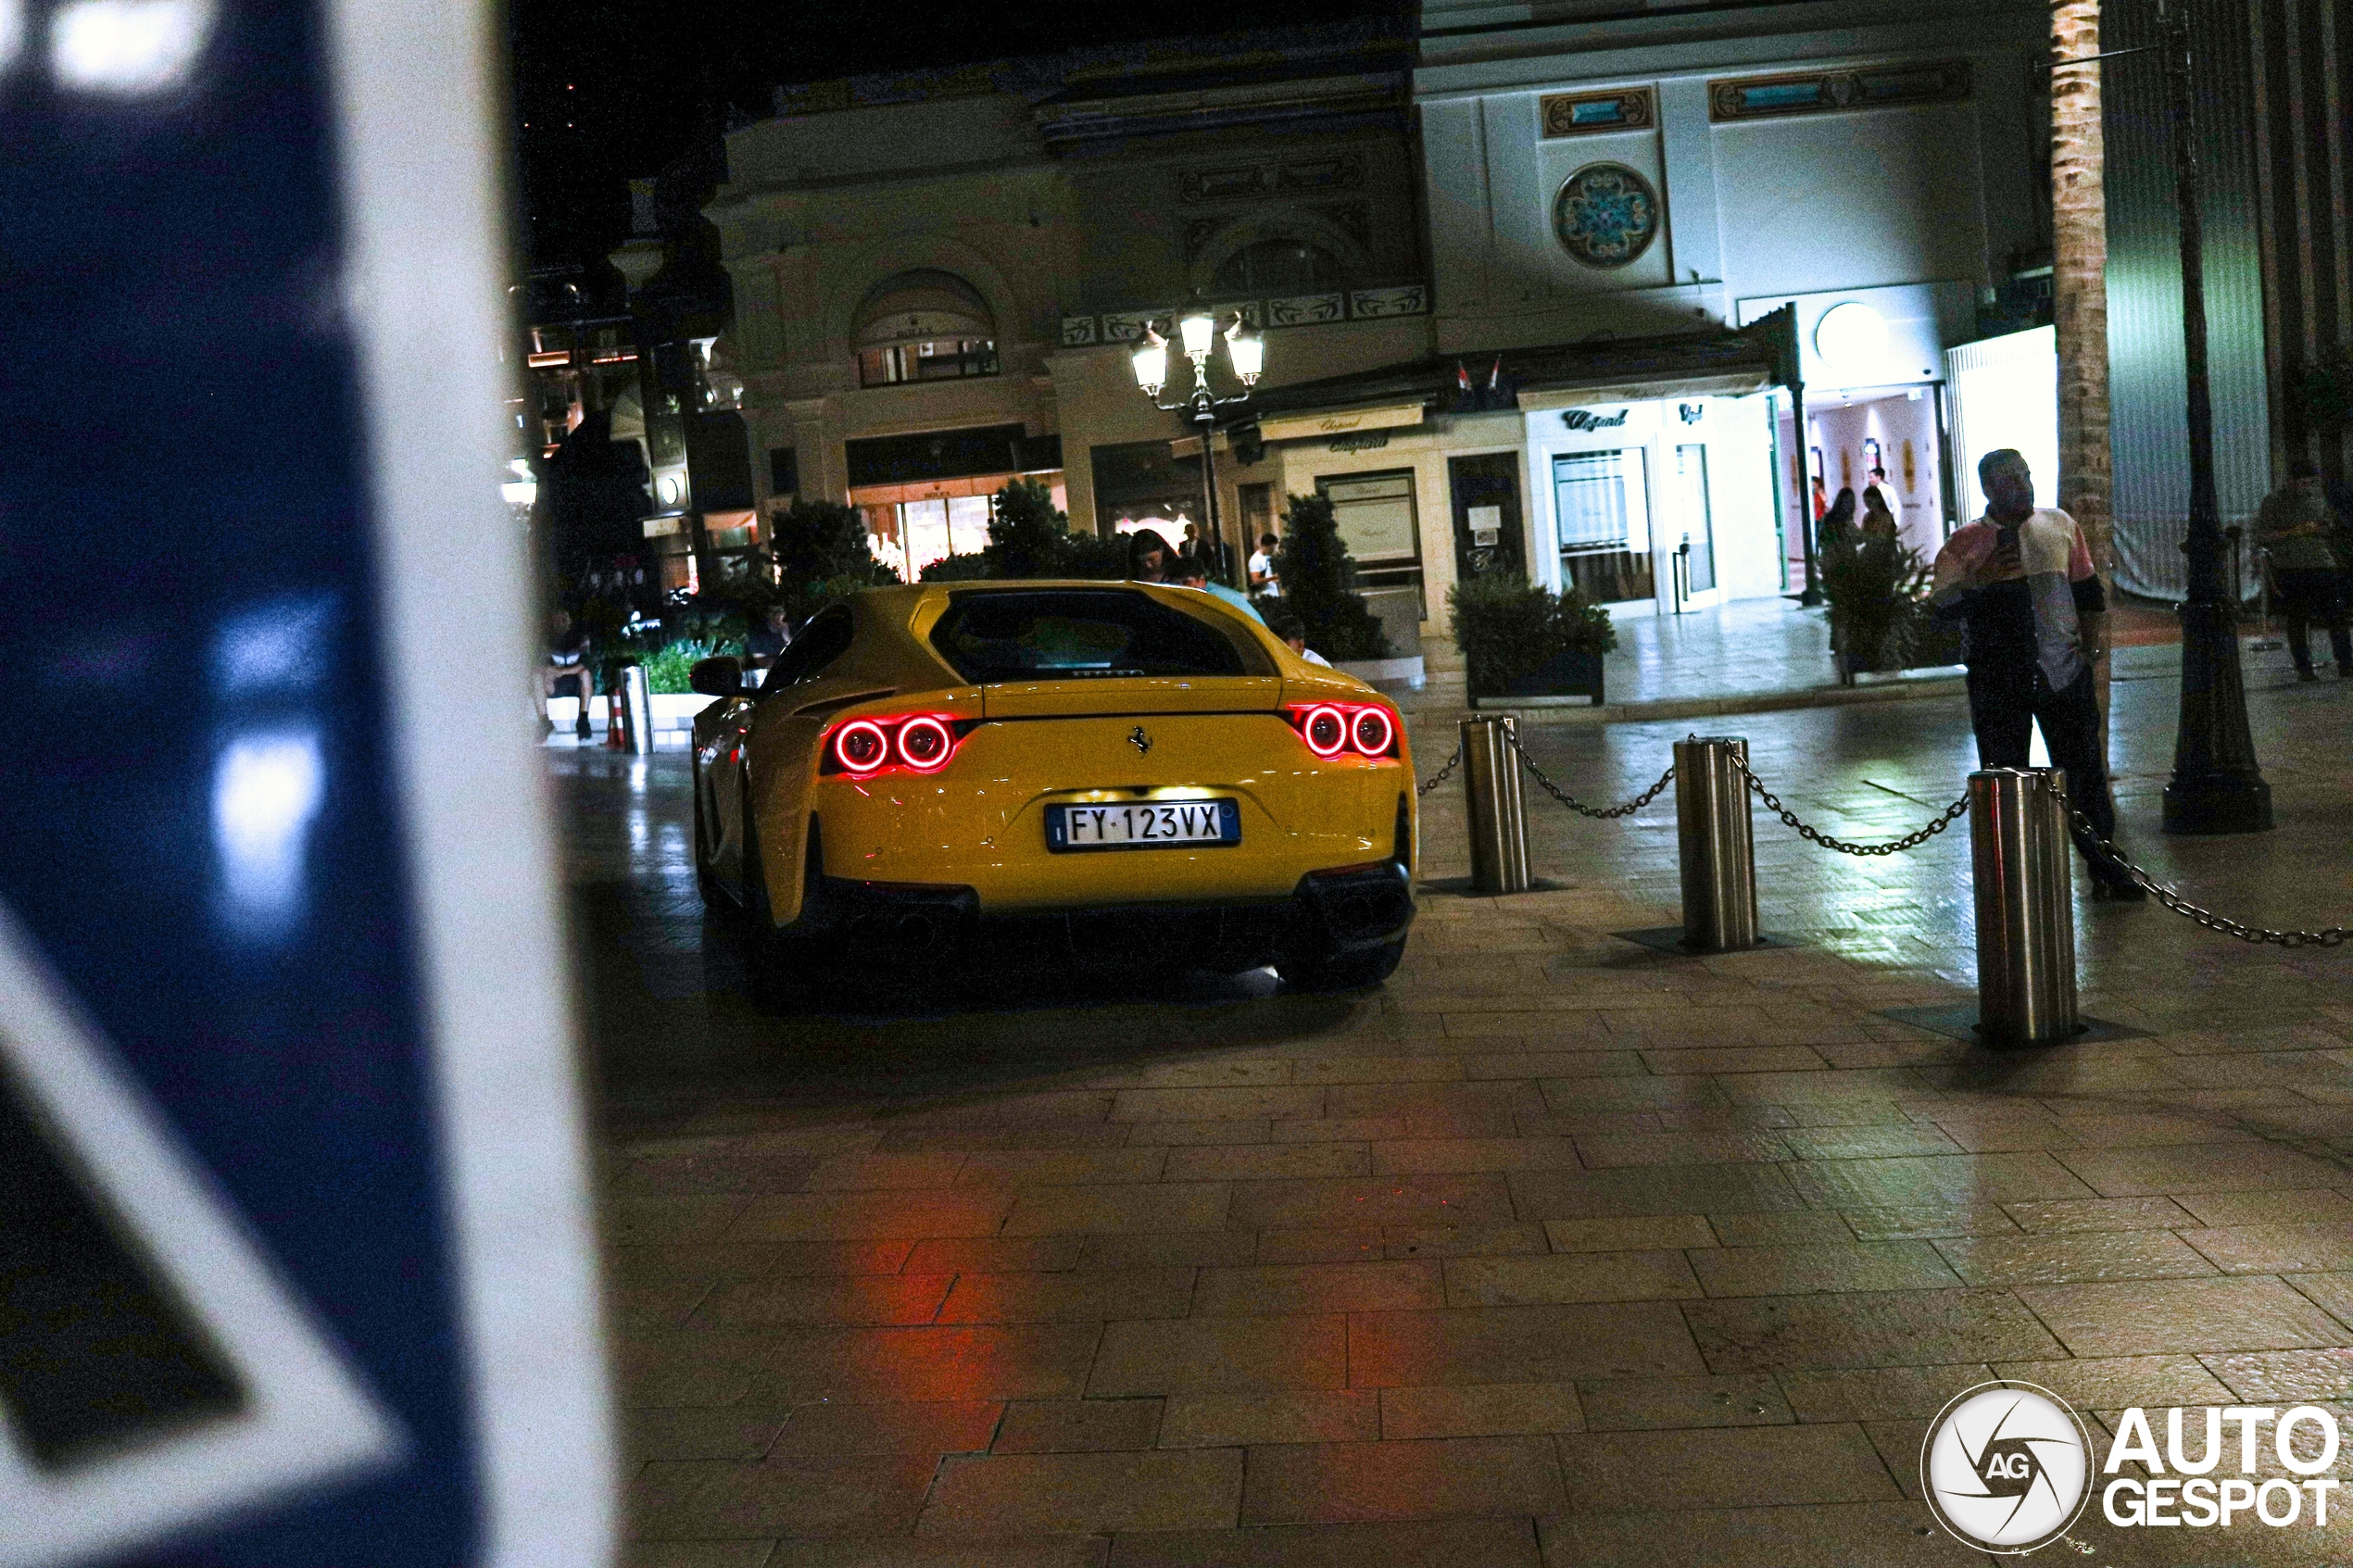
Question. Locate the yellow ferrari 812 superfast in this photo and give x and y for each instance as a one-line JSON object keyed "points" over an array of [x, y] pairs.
{"points": [[1118, 771]]}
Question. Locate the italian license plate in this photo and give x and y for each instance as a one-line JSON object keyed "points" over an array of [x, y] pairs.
{"points": [[1143, 824]]}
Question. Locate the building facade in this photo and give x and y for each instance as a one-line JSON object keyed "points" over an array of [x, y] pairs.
{"points": [[1536, 290], [940, 279], [1878, 171]]}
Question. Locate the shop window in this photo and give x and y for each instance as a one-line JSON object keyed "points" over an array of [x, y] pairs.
{"points": [[1379, 524], [924, 325], [947, 360], [1602, 501], [1278, 266]]}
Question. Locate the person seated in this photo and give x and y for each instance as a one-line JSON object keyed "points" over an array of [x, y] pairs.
{"points": [[1292, 631], [770, 637], [567, 664], [1191, 571]]}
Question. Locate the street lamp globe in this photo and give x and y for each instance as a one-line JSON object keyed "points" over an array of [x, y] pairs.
{"points": [[1150, 361], [1249, 354], [1200, 329]]}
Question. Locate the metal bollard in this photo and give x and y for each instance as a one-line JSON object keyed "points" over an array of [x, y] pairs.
{"points": [[636, 709], [1718, 852], [2025, 907], [1498, 815]]}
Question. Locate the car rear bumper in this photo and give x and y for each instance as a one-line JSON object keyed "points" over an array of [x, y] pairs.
{"points": [[1347, 910]]}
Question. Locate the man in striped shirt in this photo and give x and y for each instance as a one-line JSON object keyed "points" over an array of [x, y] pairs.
{"points": [[2021, 579]]}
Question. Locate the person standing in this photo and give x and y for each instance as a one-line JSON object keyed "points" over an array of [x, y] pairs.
{"points": [[2020, 581], [1148, 556], [1879, 522], [1262, 568], [1831, 530], [2296, 526]]}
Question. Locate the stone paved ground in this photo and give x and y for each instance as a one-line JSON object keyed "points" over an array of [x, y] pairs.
{"points": [[1554, 1250]]}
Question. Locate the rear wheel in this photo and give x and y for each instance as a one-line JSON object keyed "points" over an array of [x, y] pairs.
{"points": [[1343, 971]]}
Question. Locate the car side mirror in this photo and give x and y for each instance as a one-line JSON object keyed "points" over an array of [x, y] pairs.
{"points": [[722, 676]]}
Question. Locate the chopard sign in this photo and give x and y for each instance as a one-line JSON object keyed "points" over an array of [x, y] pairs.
{"points": [[1585, 419]]}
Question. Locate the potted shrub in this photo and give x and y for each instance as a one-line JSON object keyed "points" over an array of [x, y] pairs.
{"points": [[1873, 583], [1520, 639], [1319, 587]]}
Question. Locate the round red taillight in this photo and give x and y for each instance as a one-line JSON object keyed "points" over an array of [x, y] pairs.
{"points": [[1374, 732], [1325, 731], [924, 744], [862, 746]]}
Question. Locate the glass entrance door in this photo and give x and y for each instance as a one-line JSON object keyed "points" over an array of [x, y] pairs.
{"points": [[1487, 531], [1692, 529], [1603, 501]]}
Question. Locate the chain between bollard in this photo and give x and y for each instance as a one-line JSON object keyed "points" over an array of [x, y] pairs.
{"points": [[1443, 774], [2332, 936], [1937, 824], [1577, 806]]}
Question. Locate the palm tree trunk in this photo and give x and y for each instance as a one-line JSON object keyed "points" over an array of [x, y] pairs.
{"points": [[2079, 287]]}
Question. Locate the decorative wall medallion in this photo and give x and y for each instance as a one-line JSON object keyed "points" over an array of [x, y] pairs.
{"points": [[1077, 330], [1411, 299], [1577, 114], [1303, 309], [1607, 214], [1127, 326]]}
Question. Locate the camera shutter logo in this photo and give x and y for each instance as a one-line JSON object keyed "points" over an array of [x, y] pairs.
{"points": [[2007, 1467]]}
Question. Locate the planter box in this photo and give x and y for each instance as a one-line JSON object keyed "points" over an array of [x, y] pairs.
{"points": [[1387, 674], [1575, 674], [672, 710]]}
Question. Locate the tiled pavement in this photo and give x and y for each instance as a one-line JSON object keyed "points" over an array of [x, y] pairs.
{"points": [[1552, 1251]]}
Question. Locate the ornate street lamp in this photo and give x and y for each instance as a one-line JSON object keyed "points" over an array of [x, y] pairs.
{"points": [[2217, 786], [1197, 331]]}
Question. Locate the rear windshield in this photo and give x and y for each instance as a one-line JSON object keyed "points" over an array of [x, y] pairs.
{"points": [[1073, 633]]}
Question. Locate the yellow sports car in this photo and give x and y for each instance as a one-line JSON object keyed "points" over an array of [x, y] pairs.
{"points": [[1113, 768]]}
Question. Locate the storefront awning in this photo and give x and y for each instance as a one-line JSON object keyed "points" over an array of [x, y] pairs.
{"points": [[1732, 384], [1721, 363], [1339, 421]]}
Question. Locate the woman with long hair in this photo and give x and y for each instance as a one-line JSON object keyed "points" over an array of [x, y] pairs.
{"points": [[1878, 521], [1148, 556], [1837, 520]]}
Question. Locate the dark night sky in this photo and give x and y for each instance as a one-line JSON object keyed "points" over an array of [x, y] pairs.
{"points": [[609, 89]]}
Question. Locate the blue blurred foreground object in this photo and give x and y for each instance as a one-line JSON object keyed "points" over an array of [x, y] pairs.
{"points": [[295, 1250]]}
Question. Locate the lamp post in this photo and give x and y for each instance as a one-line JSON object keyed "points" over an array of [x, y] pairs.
{"points": [[2217, 787], [1197, 331]]}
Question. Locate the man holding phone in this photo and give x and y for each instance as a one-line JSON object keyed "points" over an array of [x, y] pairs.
{"points": [[2021, 579]]}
